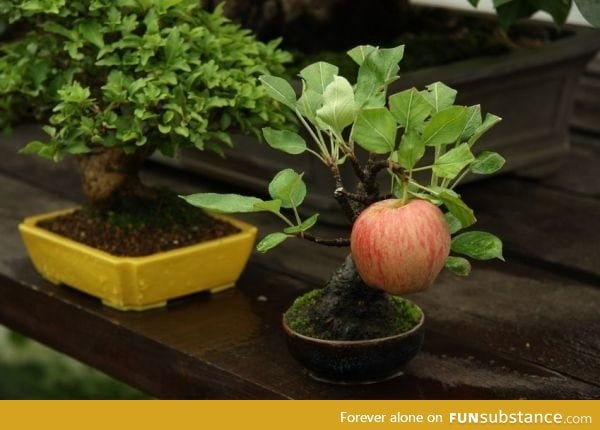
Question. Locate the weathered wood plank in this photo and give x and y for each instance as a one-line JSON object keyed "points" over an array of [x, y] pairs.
{"points": [[538, 223], [578, 173]]}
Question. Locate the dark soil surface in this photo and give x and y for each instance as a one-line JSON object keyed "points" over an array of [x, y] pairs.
{"points": [[140, 228]]}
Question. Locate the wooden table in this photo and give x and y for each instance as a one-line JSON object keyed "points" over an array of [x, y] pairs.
{"points": [[529, 328]]}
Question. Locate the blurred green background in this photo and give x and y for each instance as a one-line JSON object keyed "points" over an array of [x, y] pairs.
{"points": [[29, 370]]}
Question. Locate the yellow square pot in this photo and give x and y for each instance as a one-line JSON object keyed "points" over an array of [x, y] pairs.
{"points": [[138, 283]]}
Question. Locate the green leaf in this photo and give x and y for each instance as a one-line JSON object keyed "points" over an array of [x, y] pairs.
{"points": [[452, 162], [458, 208], [279, 89], [361, 52], [590, 9], [284, 140], [510, 11], [445, 126], [473, 122], [487, 162], [92, 32], [478, 245], [439, 95], [458, 265], [318, 75], [378, 69], [453, 223], [270, 241], [309, 103], [375, 130], [489, 121], [305, 225], [410, 109], [224, 203], [273, 206], [411, 150], [288, 187], [339, 108]]}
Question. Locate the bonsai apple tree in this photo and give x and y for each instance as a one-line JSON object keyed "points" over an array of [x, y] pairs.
{"points": [[405, 228], [114, 81]]}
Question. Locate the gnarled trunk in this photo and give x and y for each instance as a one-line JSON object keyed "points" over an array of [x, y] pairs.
{"points": [[348, 308], [106, 172]]}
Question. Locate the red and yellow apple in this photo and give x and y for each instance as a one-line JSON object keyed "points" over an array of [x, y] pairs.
{"points": [[400, 248]]}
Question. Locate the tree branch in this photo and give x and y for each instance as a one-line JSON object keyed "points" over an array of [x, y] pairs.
{"points": [[339, 242], [340, 196]]}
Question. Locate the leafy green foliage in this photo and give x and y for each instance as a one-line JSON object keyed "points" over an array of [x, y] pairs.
{"points": [[130, 73], [342, 118]]}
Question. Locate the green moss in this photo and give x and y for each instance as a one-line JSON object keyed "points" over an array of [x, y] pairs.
{"points": [[300, 318]]}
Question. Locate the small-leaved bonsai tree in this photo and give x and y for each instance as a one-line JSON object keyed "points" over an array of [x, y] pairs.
{"points": [[114, 81], [360, 127]]}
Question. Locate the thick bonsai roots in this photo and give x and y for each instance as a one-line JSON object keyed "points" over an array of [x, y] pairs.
{"points": [[348, 309], [109, 173]]}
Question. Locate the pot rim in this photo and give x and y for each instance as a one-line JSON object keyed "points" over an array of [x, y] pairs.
{"points": [[291, 332]]}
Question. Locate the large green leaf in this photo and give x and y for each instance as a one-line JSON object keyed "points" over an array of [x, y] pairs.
{"points": [[478, 245], [410, 150], [446, 126], [224, 203], [375, 130], [284, 140], [410, 109], [339, 108], [279, 89], [318, 75], [439, 95], [288, 187], [458, 208], [453, 162]]}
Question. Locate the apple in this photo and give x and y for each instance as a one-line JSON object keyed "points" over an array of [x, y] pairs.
{"points": [[400, 248]]}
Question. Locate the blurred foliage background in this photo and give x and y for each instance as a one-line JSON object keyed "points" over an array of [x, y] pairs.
{"points": [[29, 370]]}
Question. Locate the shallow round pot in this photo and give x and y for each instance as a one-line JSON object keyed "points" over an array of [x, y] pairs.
{"points": [[355, 361]]}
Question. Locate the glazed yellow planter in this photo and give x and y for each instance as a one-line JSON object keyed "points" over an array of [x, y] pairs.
{"points": [[138, 283]]}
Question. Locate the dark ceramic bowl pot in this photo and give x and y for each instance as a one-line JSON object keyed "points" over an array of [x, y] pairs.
{"points": [[356, 361]]}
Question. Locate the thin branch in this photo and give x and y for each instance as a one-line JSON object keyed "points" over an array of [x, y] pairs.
{"points": [[340, 197], [339, 242]]}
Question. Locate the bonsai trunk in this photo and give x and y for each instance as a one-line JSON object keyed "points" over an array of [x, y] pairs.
{"points": [[110, 172], [349, 309]]}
